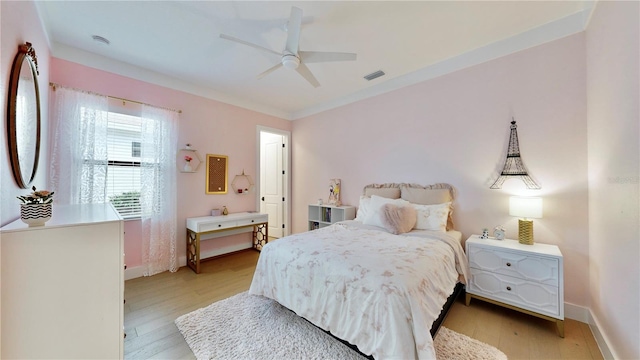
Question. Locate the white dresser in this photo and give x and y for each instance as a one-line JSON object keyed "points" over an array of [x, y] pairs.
{"points": [[63, 285], [526, 278]]}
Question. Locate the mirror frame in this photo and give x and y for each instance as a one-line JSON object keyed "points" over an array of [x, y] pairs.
{"points": [[25, 53]]}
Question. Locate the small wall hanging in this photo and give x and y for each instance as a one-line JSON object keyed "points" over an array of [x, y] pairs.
{"points": [[242, 184], [513, 166], [189, 154]]}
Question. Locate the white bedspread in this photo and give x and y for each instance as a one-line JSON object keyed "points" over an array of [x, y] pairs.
{"points": [[376, 290]]}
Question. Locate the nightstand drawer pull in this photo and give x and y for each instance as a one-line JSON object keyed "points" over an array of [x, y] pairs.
{"points": [[508, 264], [509, 288]]}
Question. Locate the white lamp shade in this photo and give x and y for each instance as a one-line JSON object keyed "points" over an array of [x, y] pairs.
{"points": [[526, 207]]}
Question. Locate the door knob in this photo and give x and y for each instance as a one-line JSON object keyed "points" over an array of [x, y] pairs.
{"points": [[263, 198]]}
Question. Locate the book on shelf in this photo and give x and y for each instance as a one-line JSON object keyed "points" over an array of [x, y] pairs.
{"points": [[326, 215]]}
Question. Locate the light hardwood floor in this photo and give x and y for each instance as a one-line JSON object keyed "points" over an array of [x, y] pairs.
{"points": [[153, 303]]}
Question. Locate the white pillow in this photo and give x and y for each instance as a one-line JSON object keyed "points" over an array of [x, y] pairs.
{"points": [[432, 217], [363, 208], [374, 213]]}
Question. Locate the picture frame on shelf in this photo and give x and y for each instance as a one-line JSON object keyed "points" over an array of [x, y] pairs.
{"points": [[334, 192]]}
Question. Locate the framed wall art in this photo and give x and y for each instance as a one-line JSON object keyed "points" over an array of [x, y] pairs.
{"points": [[216, 182]]}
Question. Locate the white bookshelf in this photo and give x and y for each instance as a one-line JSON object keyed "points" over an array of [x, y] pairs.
{"points": [[325, 215]]}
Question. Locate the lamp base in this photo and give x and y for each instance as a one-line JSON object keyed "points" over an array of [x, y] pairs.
{"points": [[525, 232]]}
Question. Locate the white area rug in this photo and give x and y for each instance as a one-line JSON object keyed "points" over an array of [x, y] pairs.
{"points": [[254, 327]]}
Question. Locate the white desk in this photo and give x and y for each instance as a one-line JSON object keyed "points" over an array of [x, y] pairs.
{"points": [[211, 227]]}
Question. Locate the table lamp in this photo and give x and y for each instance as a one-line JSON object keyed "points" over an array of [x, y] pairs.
{"points": [[525, 208]]}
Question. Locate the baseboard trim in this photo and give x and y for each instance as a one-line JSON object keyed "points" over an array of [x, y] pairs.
{"points": [[576, 312], [133, 272], [138, 271], [583, 314], [600, 337]]}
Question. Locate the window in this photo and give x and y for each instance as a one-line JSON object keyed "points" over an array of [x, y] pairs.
{"points": [[135, 149], [123, 170]]}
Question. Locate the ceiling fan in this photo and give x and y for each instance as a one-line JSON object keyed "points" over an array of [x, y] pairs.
{"points": [[291, 57]]}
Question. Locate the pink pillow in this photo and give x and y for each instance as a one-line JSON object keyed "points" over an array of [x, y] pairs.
{"points": [[398, 219]]}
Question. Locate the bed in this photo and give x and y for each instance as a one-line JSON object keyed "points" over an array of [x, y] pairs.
{"points": [[367, 282]]}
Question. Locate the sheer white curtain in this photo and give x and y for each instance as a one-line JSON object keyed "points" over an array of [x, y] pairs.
{"points": [[78, 165], [158, 195]]}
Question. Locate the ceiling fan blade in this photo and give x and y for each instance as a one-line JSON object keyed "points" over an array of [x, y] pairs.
{"points": [[303, 70], [269, 71], [227, 37], [293, 30], [321, 56]]}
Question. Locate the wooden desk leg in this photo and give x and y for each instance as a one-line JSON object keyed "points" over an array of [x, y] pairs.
{"points": [[260, 235], [193, 251]]}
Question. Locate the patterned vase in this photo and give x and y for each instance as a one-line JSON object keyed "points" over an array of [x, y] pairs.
{"points": [[35, 214]]}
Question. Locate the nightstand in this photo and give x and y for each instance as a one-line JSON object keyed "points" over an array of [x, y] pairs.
{"points": [[525, 278]]}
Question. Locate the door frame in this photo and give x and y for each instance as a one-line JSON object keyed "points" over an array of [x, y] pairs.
{"points": [[286, 181]]}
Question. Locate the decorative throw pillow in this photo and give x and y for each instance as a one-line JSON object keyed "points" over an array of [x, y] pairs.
{"points": [[398, 219], [363, 208], [374, 214], [432, 217]]}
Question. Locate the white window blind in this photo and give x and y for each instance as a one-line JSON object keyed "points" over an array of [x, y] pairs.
{"points": [[123, 172]]}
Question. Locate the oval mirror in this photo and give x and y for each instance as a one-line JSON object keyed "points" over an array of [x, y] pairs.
{"points": [[23, 116]]}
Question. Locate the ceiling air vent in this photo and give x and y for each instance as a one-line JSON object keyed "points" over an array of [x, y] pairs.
{"points": [[100, 39], [374, 75]]}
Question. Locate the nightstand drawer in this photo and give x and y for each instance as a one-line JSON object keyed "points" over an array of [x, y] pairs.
{"points": [[539, 269], [529, 295]]}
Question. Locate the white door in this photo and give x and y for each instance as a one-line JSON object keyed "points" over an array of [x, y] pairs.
{"points": [[271, 181]]}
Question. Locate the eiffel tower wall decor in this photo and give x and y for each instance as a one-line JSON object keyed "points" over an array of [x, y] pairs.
{"points": [[513, 166]]}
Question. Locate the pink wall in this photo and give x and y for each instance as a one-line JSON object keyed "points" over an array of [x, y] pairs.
{"points": [[613, 93], [455, 129], [20, 23], [209, 126]]}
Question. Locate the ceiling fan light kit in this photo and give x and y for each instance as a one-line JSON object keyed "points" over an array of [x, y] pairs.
{"points": [[291, 57], [290, 61]]}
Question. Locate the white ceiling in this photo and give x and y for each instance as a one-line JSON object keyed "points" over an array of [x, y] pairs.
{"points": [[177, 44]]}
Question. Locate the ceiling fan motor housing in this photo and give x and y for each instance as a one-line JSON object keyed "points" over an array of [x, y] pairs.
{"points": [[290, 61], [293, 59]]}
